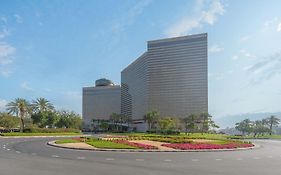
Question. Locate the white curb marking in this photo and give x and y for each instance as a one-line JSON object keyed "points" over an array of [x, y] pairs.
{"points": [[218, 159], [81, 158], [18, 152], [194, 160], [55, 156], [239, 159], [110, 159], [168, 160]]}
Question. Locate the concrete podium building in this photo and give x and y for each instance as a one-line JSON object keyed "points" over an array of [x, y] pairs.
{"points": [[170, 77], [100, 101]]}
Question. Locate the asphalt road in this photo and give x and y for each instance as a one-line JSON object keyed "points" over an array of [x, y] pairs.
{"points": [[31, 156]]}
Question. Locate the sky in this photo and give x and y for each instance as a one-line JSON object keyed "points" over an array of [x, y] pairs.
{"points": [[52, 49]]}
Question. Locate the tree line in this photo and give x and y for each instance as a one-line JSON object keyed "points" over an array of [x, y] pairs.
{"points": [[38, 113], [257, 127], [190, 124]]}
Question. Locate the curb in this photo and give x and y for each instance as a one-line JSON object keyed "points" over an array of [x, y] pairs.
{"points": [[52, 143], [10, 137]]}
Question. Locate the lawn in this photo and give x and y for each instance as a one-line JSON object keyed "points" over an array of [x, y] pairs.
{"points": [[39, 134], [67, 141], [109, 145], [267, 136], [182, 135]]}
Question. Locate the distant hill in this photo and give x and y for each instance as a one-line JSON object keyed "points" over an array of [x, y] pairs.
{"points": [[229, 121]]}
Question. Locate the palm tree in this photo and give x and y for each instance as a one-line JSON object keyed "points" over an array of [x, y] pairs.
{"points": [[21, 108], [42, 105], [152, 117], [115, 119], [273, 121], [204, 119]]}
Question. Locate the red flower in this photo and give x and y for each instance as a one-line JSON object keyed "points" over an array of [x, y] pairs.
{"points": [[196, 146], [138, 145]]}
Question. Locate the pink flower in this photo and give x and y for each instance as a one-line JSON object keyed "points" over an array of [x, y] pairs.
{"points": [[138, 145], [196, 146]]}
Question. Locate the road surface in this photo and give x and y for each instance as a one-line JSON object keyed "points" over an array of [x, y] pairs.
{"points": [[31, 156]]}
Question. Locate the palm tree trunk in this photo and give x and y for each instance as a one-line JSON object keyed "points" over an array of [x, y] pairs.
{"points": [[22, 123]]}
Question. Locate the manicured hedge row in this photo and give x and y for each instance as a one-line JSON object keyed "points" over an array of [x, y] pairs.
{"points": [[50, 130]]}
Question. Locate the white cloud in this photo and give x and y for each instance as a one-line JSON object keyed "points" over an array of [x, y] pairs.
{"points": [[215, 49], [24, 85], [130, 16], [245, 38], [265, 68], [243, 54], [4, 33], [209, 12], [267, 25], [3, 104], [279, 27], [6, 52], [18, 18], [5, 73], [4, 19]]}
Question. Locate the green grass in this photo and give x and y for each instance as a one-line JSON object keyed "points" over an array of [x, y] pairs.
{"points": [[39, 134], [267, 136], [109, 145], [66, 141]]}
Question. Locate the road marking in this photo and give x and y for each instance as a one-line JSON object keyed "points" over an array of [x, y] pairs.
{"points": [[34, 154], [218, 159], [55, 156], [110, 159], [8, 149], [18, 152], [256, 158], [139, 159], [194, 160], [239, 159], [81, 158], [168, 160], [269, 156]]}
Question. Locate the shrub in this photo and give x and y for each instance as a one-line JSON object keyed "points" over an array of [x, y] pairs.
{"points": [[50, 130]]}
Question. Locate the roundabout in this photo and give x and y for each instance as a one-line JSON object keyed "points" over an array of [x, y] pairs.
{"points": [[30, 156], [155, 146]]}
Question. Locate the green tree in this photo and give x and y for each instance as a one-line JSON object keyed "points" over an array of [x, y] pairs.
{"points": [[115, 120], [8, 121], [190, 123], [104, 125], [211, 123], [273, 121], [244, 126], [259, 127], [166, 124], [152, 118], [42, 105], [21, 108], [205, 121], [68, 119], [45, 119]]}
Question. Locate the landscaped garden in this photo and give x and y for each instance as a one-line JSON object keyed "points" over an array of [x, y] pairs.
{"points": [[161, 142]]}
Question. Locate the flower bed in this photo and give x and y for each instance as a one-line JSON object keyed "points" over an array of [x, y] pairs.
{"points": [[138, 145], [195, 146]]}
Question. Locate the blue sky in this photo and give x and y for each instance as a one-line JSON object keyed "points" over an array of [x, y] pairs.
{"points": [[52, 49]]}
